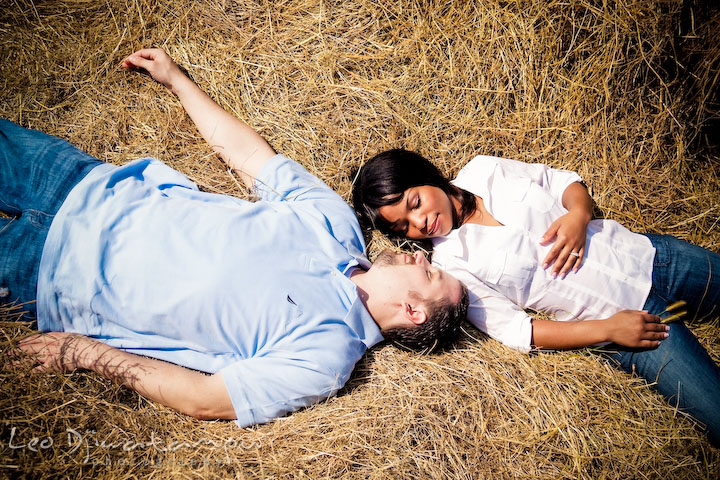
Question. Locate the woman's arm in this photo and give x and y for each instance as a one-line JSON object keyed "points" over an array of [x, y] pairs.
{"points": [[238, 144], [188, 391], [569, 232], [630, 328]]}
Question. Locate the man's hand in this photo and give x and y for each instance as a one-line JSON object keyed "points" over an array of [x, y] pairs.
{"points": [[157, 63], [241, 147], [188, 391], [637, 329], [568, 251], [58, 351]]}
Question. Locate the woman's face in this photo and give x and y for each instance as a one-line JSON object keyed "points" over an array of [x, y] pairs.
{"points": [[422, 212]]}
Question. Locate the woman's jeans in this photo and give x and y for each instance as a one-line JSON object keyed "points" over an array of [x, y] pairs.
{"points": [[680, 368], [37, 171]]}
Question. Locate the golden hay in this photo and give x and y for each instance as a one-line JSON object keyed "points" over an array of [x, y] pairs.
{"points": [[622, 92]]}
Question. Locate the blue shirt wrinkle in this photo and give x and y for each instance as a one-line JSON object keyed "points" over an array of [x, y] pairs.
{"points": [[141, 259]]}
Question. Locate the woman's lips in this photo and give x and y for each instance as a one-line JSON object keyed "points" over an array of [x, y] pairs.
{"points": [[434, 226]]}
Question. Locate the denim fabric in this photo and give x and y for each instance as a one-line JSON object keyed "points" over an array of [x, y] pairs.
{"points": [[37, 171], [680, 368]]}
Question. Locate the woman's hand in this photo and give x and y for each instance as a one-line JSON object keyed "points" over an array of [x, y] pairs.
{"points": [[568, 251], [58, 351], [631, 328], [157, 63], [638, 329]]}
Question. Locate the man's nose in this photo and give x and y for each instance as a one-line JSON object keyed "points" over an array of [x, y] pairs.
{"points": [[419, 258]]}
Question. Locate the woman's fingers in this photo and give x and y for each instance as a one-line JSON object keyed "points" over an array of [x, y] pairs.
{"points": [[570, 262], [578, 256], [569, 258], [655, 332], [550, 233]]}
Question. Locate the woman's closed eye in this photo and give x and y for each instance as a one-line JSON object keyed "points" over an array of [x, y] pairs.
{"points": [[400, 230]]}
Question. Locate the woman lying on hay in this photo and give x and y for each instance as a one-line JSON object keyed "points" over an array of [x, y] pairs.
{"points": [[512, 232]]}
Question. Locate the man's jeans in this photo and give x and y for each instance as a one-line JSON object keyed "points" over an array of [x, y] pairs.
{"points": [[37, 171], [680, 368]]}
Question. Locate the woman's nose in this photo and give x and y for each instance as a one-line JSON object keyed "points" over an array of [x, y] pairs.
{"points": [[418, 221]]}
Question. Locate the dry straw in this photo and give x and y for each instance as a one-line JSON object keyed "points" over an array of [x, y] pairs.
{"points": [[618, 91]]}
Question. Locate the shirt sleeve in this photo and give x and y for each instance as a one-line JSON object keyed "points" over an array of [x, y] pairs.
{"points": [[491, 311], [553, 180], [282, 179], [267, 387]]}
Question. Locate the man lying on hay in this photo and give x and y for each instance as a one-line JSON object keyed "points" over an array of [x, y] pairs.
{"points": [[140, 275]]}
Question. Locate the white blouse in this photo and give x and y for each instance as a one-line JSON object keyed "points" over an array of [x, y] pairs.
{"points": [[502, 266]]}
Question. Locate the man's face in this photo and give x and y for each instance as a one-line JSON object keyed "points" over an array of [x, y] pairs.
{"points": [[415, 274]]}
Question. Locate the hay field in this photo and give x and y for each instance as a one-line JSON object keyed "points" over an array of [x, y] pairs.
{"points": [[625, 93]]}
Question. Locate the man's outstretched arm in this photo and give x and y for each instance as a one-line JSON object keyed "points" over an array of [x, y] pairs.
{"points": [[238, 144], [187, 391]]}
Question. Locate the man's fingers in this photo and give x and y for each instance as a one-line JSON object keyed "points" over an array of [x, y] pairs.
{"points": [[20, 360], [31, 345], [39, 341], [150, 53], [138, 62]]}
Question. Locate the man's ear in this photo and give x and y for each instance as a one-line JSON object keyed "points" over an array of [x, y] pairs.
{"points": [[415, 313]]}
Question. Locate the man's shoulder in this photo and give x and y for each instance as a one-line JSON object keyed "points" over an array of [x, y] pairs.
{"points": [[283, 179]]}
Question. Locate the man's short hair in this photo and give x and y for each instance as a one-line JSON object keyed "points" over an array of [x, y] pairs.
{"points": [[439, 329]]}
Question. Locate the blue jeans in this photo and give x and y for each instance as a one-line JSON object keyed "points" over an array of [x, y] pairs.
{"points": [[680, 368], [37, 171]]}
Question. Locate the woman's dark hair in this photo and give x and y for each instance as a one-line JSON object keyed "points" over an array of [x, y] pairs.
{"points": [[385, 177]]}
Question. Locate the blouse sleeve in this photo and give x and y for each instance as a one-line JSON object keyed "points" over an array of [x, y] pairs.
{"points": [[552, 180]]}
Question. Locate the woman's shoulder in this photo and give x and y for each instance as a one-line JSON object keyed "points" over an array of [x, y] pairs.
{"points": [[480, 162], [489, 162]]}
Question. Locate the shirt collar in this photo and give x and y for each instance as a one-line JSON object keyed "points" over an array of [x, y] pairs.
{"points": [[363, 324]]}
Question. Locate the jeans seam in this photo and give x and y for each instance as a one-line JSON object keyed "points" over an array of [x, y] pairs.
{"points": [[35, 215]]}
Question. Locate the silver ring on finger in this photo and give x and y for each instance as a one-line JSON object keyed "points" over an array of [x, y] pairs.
{"points": [[575, 254]]}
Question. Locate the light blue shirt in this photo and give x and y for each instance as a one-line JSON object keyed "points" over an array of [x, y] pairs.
{"points": [[140, 259]]}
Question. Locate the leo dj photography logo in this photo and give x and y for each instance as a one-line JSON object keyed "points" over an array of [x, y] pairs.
{"points": [[97, 450]]}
